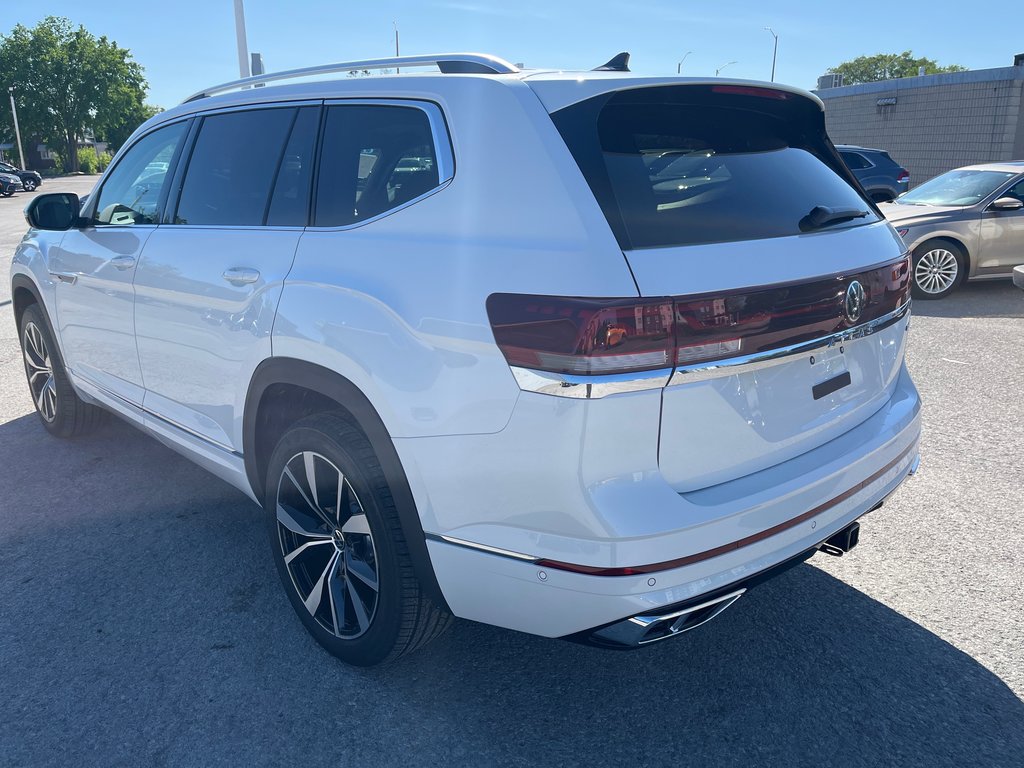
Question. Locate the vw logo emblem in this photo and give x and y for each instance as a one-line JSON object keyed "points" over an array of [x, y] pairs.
{"points": [[855, 301]]}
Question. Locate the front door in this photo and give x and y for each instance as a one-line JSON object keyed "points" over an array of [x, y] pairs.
{"points": [[1002, 236], [210, 279], [94, 267]]}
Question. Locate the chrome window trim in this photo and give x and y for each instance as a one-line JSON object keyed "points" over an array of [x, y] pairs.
{"points": [[595, 387], [444, 155]]}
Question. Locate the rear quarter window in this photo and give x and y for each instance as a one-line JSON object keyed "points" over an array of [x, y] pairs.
{"points": [[682, 165]]}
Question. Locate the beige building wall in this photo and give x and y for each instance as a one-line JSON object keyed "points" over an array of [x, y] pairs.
{"points": [[933, 123]]}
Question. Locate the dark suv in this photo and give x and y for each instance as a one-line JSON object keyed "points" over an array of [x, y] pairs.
{"points": [[30, 179], [882, 177]]}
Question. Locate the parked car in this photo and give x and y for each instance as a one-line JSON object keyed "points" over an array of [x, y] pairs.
{"points": [[535, 377], [1018, 276], [967, 224], [9, 184], [882, 177], [30, 179]]}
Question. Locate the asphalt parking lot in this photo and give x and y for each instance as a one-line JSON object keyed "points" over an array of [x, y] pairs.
{"points": [[142, 621]]}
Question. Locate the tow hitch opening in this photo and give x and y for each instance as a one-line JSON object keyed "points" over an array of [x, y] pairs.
{"points": [[840, 543]]}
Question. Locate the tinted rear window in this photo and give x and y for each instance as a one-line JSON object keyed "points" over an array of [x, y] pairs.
{"points": [[678, 165]]}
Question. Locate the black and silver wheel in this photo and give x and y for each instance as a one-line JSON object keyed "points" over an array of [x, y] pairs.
{"points": [[30, 185], [339, 547], [938, 269], [62, 412]]}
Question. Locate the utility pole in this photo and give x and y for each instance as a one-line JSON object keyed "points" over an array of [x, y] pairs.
{"points": [[723, 67], [398, 70], [17, 130], [243, 46], [775, 52], [679, 66]]}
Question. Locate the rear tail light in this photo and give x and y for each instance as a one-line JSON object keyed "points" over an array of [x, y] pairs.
{"points": [[583, 336], [903, 176], [576, 336]]}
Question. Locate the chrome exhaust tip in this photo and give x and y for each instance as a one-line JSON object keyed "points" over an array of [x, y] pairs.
{"points": [[644, 629]]}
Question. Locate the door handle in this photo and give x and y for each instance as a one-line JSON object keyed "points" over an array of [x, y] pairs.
{"points": [[241, 275], [122, 262], [65, 277]]}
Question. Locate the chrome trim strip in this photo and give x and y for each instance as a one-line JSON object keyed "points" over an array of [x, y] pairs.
{"points": [[733, 366], [147, 412], [480, 547], [646, 621], [589, 387], [598, 386]]}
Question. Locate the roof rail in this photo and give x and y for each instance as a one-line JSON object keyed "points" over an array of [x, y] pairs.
{"points": [[449, 63]]}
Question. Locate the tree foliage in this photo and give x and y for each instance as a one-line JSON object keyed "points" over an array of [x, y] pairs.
{"points": [[67, 82], [886, 66]]}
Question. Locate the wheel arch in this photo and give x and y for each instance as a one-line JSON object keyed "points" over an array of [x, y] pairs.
{"points": [[283, 390], [23, 293], [951, 240]]}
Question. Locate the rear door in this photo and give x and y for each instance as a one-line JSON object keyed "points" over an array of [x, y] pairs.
{"points": [[210, 278], [789, 289]]}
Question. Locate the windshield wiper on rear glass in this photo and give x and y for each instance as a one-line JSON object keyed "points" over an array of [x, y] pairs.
{"points": [[823, 216]]}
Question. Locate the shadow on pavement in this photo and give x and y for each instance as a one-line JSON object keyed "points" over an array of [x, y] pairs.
{"points": [[988, 298], [142, 623]]}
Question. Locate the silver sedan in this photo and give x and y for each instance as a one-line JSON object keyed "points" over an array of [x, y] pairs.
{"points": [[967, 224]]}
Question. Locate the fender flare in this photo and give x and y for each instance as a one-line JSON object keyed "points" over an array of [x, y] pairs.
{"points": [[284, 370]]}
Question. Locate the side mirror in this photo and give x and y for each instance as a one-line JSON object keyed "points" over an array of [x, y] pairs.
{"points": [[1006, 204], [56, 211]]}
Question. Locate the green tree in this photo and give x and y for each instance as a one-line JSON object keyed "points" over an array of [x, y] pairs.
{"points": [[886, 66], [69, 81]]}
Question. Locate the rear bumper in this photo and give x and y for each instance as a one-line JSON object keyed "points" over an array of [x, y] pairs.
{"points": [[715, 538]]}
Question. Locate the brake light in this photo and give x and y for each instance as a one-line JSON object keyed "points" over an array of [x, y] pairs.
{"points": [[903, 176], [583, 336], [746, 90], [568, 335]]}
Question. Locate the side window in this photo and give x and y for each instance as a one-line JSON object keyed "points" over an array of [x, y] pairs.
{"points": [[854, 161], [131, 194], [233, 167], [1016, 191], [374, 158], [289, 206]]}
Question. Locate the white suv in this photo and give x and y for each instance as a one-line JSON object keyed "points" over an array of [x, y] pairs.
{"points": [[580, 354]]}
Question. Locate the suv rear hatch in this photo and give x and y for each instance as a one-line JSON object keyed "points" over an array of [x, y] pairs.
{"points": [[787, 286]]}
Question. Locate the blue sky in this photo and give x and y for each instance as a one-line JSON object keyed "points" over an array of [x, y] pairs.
{"points": [[185, 45]]}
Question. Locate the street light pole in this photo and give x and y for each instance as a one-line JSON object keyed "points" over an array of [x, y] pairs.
{"points": [[723, 67], [679, 66], [398, 70], [243, 45], [775, 52], [17, 130]]}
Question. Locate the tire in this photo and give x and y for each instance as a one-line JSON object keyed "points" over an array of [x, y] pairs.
{"points": [[7, 192], [329, 562], [939, 267], [30, 185], [60, 409]]}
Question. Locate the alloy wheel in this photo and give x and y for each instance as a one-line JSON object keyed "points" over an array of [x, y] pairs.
{"points": [[327, 545], [936, 271], [40, 372]]}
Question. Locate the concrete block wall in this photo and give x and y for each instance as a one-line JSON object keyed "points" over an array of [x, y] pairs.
{"points": [[938, 122]]}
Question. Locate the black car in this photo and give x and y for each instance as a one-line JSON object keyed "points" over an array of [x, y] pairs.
{"points": [[9, 184], [882, 177], [30, 179]]}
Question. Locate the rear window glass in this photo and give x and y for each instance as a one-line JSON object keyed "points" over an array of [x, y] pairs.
{"points": [[670, 173]]}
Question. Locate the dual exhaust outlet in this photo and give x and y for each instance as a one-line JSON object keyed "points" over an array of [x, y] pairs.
{"points": [[644, 629]]}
